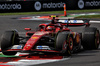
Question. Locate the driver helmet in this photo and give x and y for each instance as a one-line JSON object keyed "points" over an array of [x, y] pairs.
{"points": [[50, 28]]}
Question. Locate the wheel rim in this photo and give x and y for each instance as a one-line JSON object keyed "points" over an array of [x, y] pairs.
{"points": [[77, 39], [70, 43], [65, 45]]}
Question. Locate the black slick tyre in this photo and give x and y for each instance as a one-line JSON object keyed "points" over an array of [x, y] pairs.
{"points": [[8, 39], [64, 43], [90, 38]]}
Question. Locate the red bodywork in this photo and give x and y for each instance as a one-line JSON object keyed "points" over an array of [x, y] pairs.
{"points": [[42, 31]]}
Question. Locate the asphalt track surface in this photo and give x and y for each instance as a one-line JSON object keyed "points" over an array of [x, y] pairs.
{"points": [[82, 58]]}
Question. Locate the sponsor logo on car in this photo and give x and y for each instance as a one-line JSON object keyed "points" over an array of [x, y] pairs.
{"points": [[35, 37], [43, 47]]}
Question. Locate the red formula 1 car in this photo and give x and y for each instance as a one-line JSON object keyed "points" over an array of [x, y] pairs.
{"points": [[54, 37]]}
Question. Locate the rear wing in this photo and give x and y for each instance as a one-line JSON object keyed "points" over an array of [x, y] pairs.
{"points": [[74, 22]]}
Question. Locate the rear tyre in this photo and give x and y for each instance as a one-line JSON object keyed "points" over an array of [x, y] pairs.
{"points": [[64, 43], [8, 39], [90, 38]]}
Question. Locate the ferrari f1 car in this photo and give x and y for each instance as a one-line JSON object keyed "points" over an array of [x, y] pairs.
{"points": [[54, 37]]}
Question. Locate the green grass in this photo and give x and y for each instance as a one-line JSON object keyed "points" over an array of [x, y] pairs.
{"points": [[90, 16], [51, 12], [1, 55]]}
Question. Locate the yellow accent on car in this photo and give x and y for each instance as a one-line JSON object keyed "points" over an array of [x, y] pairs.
{"points": [[53, 16], [13, 38], [35, 37]]}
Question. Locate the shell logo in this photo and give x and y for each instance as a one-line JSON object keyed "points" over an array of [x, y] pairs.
{"points": [[35, 37]]}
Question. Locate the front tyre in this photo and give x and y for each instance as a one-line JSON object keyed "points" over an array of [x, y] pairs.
{"points": [[8, 39], [64, 43]]}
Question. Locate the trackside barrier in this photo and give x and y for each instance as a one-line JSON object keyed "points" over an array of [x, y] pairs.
{"points": [[35, 5], [47, 5]]}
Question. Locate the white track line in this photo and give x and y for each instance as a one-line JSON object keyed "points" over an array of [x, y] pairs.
{"points": [[94, 21], [25, 62]]}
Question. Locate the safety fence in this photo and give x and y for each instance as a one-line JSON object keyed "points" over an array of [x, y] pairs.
{"points": [[47, 5]]}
